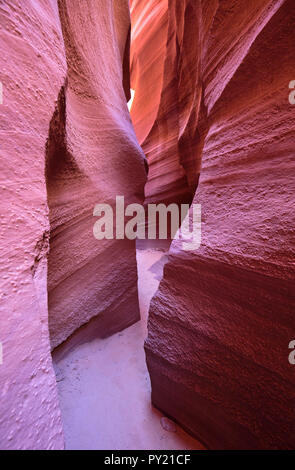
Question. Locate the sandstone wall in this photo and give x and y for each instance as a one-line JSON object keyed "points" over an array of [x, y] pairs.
{"points": [[67, 143], [32, 71], [93, 157], [165, 74], [222, 320]]}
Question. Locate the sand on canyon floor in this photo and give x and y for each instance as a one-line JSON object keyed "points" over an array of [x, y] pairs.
{"points": [[104, 386]]}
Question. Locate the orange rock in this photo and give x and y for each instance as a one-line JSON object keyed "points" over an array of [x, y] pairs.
{"points": [[165, 74]]}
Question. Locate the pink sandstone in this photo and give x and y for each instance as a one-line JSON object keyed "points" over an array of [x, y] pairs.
{"points": [[67, 143], [212, 114], [93, 156], [33, 69]]}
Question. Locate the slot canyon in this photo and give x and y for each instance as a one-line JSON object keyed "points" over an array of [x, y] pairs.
{"points": [[124, 343]]}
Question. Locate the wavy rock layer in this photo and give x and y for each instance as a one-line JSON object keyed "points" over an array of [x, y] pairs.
{"points": [[67, 142], [222, 320], [93, 156], [165, 71]]}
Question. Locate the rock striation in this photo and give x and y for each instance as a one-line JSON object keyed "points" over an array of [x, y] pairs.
{"points": [[33, 69], [67, 143], [92, 156], [222, 319], [165, 74]]}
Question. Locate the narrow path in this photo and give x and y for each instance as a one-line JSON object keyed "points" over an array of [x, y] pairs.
{"points": [[104, 386]]}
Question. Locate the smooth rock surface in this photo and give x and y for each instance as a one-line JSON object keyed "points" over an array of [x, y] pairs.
{"points": [[93, 156], [165, 74]]}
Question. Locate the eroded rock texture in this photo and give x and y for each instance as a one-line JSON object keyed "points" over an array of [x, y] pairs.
{"points": [[93, 156], [67, 142], [32, 71], [222, 320]]}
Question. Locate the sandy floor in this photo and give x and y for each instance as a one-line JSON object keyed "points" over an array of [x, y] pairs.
{"points": [[104, 386]]}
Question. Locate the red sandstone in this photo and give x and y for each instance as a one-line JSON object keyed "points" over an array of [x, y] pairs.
{"points": [[213, 111]]}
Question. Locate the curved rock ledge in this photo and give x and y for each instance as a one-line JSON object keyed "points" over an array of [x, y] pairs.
{"points": [[95, 158]]}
